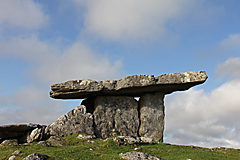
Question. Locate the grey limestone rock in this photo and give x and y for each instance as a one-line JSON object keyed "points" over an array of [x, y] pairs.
{"points": [[12, 158], [36, 135], [17, 131], [127, 140], [116, 115], [152, 116], [44, 143], [36, 156], [138, 156], [82, 136], [10, 142], [57, 141], [75, 121], [134, 86], [17, 152]]}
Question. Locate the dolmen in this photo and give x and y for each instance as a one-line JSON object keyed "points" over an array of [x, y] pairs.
{"points": [[130, 107], [110, 107]]}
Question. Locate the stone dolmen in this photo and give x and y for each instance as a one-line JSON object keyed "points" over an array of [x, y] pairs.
{"points": [[110, 107]]}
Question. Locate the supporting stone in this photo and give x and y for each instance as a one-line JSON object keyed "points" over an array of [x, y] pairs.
{"points": [[75, 121], [116, 115], [152, 116]]}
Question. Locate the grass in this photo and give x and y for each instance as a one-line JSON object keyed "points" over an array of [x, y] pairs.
{"points": [[108, 150]]}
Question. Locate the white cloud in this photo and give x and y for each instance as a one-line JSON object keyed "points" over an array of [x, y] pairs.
{"points": [[230, 68], [78, 62], [29, 104], [206, 119], [50, 65], [124, 20], [231, 42], [18, 13]]}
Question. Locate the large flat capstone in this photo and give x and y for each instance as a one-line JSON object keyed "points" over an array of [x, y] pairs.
{"points": [[134, 86]]}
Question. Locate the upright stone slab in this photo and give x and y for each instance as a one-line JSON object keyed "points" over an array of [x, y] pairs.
{"points": [[152, 116], [116, 115], [75, 121]]}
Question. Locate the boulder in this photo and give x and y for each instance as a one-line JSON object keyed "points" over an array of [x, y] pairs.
{"points": [[36, 135], [75, 121], [138, 156], [152, 116], [116, 115], [134, 86]]}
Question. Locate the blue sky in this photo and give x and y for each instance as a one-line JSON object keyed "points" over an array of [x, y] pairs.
{"points": [[45, 42]]}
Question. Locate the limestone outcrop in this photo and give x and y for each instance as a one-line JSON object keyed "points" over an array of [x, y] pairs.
{"points": [[134, 86]]}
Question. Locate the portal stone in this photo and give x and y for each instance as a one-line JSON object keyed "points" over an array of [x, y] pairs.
{"points": [[152, 116], [116, 115]]}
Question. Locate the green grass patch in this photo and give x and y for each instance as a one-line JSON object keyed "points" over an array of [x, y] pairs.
{"points": [[108, 150]]}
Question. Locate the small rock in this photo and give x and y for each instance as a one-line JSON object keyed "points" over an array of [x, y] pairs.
{"points": [[36, 156], [44, 143], [58, 141], [153, 150], [146, 140], [11, 158], [81, 136], [89, 142], [17, 152], [10, 142], [137, 148], [138, 156], [126, 140], [90, 149]]}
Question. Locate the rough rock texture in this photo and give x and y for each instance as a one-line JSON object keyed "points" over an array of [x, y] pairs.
{"points": [[44, 143], [116, 115], [152, 116], [138, 156], [83, 136], [57, 141], [10, 142], [127, 140], [17, 152], [75, 121], [36, 156], [36, 135], [17, 131], [134, 86]]}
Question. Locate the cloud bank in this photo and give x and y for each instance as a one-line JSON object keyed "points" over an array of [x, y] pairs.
{"points": [[26, 14], [207, 119], [130, 20]]}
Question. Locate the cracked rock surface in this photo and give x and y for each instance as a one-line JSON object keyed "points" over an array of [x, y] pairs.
{"points": [[134, 86]]}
